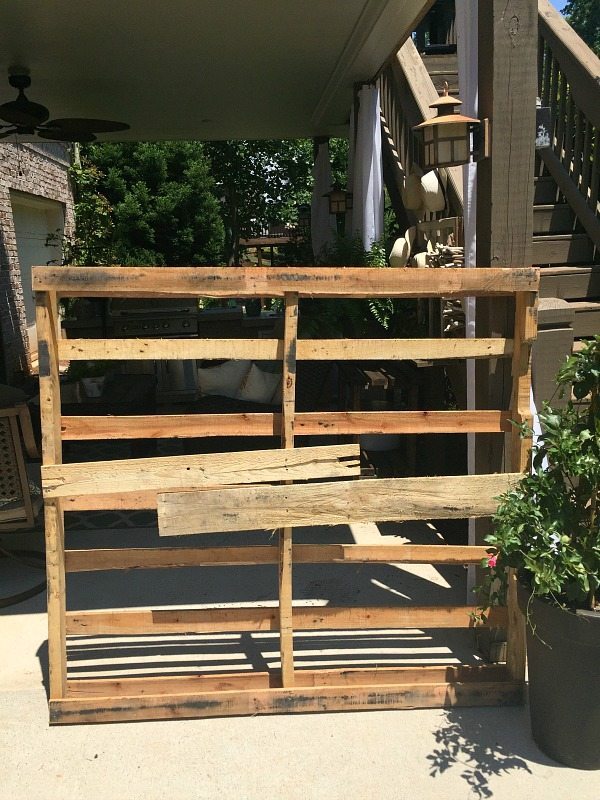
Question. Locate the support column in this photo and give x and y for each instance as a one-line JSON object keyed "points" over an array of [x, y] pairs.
{"points": [[507, 94]]}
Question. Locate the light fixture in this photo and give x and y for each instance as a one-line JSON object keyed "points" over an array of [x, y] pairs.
{"points": [[304, 216], [451, 138], [340, 200]]}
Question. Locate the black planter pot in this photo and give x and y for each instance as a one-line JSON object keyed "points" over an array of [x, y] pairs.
{"points": [[563, 657]]}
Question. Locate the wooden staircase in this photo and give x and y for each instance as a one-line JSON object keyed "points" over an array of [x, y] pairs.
{"points": [[567, 257], [566, 214]]}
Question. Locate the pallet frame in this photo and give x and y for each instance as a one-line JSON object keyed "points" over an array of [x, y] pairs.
{"points": [[290, 690]]}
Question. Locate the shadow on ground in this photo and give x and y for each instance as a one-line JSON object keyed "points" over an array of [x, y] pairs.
{"points": [[471, 741]]}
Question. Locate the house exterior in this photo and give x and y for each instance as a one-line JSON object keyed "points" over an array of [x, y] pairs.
{"points": [[36, 212]]}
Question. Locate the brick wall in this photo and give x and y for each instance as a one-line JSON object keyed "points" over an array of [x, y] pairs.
{"points": [[42, 171]]}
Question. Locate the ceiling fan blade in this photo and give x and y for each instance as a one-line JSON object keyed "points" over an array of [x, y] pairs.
{"points": [[83, 125], [23, 112], [65, 135], [4, 134]]}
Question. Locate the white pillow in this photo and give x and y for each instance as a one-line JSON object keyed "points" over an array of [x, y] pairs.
{"points": [[259, 386], [224, 380]]}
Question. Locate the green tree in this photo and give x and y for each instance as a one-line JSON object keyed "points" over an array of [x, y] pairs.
{"points": [[92, 241], [260, 182], [584, 17], [164, 209]]}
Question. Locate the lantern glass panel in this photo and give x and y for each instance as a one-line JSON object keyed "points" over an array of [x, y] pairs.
{"points": [[455, 130], [461, 150], [444, 152]]}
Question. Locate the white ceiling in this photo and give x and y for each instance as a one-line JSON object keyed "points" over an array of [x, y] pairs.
{"points": [[202, 69]]}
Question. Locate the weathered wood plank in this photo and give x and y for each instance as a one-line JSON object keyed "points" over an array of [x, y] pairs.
{"points": [[220, 682], [570, 283], [269, 349], [338, 503], [288, 407], [93, 560], [104, 477], [276, 282], [47, 325], [170, 426], [309, 423], [221, 620], [276, 701], [102, 688], [165, 349]]}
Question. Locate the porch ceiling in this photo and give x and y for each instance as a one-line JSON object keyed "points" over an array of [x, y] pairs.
{"points": [[202, 69]]}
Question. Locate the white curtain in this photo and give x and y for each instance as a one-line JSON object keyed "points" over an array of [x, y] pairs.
{"points": [[322, 223], [367, 183], [466, 36]]}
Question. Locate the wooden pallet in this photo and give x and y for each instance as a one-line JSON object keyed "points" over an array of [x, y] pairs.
{"points": [[245, 491]]}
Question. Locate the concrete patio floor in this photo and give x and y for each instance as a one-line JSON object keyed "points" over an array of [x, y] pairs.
{"points": [[402, 755]]}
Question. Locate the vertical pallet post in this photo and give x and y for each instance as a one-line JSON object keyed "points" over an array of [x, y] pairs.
{"points": [[288, 410], [525, 328], [47, 323]]}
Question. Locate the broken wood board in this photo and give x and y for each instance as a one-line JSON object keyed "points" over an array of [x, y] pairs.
{"points": [[339, 503], [254, 466]]}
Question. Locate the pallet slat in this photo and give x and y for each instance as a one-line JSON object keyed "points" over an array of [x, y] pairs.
{"points": [[104, 477], [277, 701], [339, 503], [270, 349], [352, 676], [222, 620], [326, 282], [93, 560], [308, 423]]}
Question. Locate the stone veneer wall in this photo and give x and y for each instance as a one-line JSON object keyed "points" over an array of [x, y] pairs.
{"points": [[40, 170]]}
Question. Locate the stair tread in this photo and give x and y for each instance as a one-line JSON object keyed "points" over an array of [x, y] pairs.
{"points": [[549, 206], [563, 237], [570, 269], [585, 305]]}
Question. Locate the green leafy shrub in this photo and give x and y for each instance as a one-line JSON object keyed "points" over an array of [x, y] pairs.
{"points": [[547, 527]]}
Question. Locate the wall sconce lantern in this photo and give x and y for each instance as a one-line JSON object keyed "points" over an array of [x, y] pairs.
{"points": [[340, 200], [304, 216], [451, 138]]}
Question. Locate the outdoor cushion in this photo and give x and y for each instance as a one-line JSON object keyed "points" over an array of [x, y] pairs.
{"points": [[225, 379]]}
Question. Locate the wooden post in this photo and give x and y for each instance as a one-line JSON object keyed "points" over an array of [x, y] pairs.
{"points": [[47, 331], [507, 94], [288, 410], [505, 183], [525, 327]]}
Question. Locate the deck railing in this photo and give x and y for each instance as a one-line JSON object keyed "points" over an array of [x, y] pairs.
{"points": [[569, 74]]}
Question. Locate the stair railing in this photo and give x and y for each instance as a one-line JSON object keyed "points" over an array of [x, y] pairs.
{"points": [[569, 82], [406, 91]]}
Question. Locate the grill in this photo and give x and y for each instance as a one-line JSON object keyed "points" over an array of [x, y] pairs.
{"points": [[152, 318]]}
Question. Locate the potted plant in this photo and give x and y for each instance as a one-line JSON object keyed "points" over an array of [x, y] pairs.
{"points": [[547, 528]]}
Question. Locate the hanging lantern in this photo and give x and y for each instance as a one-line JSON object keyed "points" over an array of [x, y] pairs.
{"points": [[450, 138]]}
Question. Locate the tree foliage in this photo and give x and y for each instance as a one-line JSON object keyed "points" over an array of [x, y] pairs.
{"points": [[164, 209], [92, 241], [584, 17], [264, 181]]}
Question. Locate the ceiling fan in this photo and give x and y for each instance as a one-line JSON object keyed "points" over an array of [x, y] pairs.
{"points": [[27, 118]]}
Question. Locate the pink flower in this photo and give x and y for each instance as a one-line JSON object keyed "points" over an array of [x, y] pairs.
{"points": [[492, 561]]}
